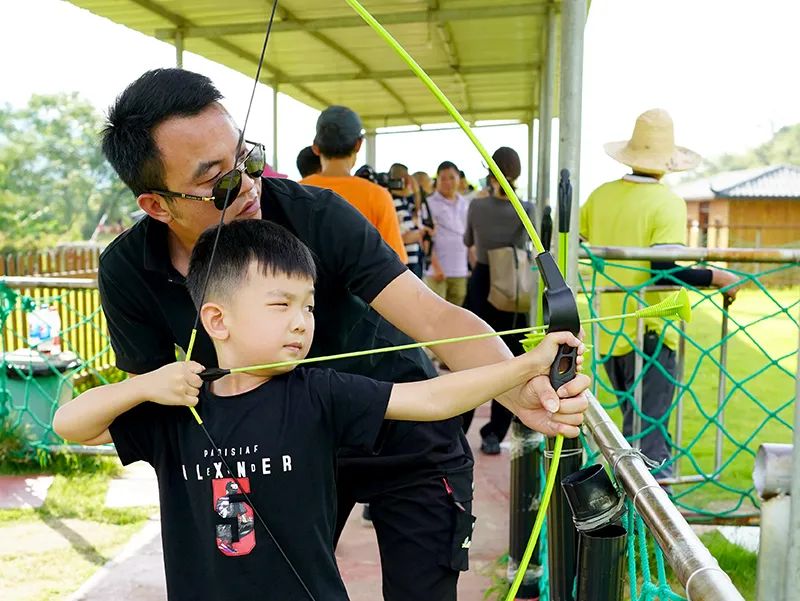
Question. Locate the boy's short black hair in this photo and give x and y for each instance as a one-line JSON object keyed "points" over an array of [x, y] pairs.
{"points": [[276, 250], [308, 162], [447, 165], [156, 96]]}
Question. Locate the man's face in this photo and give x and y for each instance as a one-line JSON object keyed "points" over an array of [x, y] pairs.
{"points": [[447, 182], [196, 151], [270, 318]]}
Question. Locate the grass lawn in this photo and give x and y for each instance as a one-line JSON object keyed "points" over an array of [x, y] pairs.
{"points": [[49, 552], [761, 367]]}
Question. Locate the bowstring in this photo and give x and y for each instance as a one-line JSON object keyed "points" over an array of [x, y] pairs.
{"points": [[207, 278]]}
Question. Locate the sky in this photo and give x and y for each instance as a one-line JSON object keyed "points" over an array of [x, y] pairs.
{"points": [[724, 69]]}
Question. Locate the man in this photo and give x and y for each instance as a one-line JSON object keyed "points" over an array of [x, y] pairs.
{"points": [[308, 162], [640, 211], [407, 204], [337, 142], [173, 144]]}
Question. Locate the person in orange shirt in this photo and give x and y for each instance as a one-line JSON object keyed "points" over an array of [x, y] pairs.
{"points": [[338, 140]]}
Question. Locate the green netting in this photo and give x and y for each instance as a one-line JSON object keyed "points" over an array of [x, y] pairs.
{"points": [[721, 412], [34, 383]]}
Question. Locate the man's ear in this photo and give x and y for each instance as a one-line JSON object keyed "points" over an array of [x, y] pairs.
{"points": [[155, 206], [315, 150], [213, 317], [358, 146]]}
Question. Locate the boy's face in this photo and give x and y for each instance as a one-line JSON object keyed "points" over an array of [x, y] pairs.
{"points": [[269, 319]]}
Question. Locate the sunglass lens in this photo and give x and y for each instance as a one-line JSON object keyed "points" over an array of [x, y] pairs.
{"points": [[227, 188], [256, 161]]}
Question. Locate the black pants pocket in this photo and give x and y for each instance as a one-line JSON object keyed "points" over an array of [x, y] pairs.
{"points": [[456, 555]]}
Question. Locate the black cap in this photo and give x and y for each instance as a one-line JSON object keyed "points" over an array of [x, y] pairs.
{"points": [[338, 130]]}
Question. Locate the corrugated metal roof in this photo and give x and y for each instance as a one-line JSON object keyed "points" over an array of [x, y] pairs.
{"points": [[484, 54], [776, 181]]}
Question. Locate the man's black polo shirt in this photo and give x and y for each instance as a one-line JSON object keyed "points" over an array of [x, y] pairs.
{"points": [[149, 310]]}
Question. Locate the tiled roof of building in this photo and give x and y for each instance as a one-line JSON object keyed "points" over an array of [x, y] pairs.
{"points": [[776, 181]]}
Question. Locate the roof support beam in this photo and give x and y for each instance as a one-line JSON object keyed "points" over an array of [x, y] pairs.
{"points": [[408, 74], [184, 24], [377, 120], [492, 11]]}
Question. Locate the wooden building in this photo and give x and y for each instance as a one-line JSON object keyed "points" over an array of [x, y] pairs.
{"points": [[748, 208]]}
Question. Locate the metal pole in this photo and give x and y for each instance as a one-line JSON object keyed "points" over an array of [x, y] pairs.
{"points": [[638, 392], [179, 48], [275, 87], [694, 566], [562, 536], [679, 408], [708, 255], [793, 555], [573, 20], [722, 385], [546, 99], [530, 194], [371, 139]]}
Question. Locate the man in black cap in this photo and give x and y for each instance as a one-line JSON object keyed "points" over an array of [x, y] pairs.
{"points": [[178, 150], [338, 140]]}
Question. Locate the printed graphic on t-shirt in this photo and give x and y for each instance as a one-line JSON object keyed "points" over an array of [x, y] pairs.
{"points": [[235, 525]]}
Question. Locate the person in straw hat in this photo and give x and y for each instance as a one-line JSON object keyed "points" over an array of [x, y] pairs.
{"points": [[639, 210]]}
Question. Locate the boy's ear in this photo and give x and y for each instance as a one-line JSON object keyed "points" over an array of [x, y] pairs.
{"points": [[213, 317]]}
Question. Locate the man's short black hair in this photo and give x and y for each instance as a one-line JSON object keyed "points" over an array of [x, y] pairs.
{"points": [[276, 250], [447, 165], [308, 162], [156, 96]]}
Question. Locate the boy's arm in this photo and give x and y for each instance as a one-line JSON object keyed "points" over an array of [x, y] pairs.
{"points": [[453, 394], [86, 419]]}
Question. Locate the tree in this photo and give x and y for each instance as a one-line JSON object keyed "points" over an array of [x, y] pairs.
{"points": [[782, 149], [55, 184]]}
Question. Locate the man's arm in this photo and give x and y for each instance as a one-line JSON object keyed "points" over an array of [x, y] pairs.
{"points": [[434, 318], [86, 419], [453, 394]]}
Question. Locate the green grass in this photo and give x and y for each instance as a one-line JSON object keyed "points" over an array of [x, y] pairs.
{"points": [[70, 536], [759, 400], [738, 563]]}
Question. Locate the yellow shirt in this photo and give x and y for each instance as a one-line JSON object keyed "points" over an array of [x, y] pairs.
{"points": [[638, 214]]}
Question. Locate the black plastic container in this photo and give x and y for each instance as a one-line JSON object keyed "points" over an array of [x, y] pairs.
{"points": [[601, 564], [593, 498]]}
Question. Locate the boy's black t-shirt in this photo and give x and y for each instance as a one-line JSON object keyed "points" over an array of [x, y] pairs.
{"points": [[280, 441], [149, 311]]}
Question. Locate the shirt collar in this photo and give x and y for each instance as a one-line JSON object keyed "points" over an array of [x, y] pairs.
{"points": [[640, 179], [156, 249]]}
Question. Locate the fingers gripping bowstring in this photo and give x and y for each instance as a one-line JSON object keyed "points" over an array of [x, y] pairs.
{"points": [[193, 336]]}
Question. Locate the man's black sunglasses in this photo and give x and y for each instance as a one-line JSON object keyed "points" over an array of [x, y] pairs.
{"points": [[228, 186]]}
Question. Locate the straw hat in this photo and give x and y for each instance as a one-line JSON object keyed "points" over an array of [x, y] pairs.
{"points": [[652, 148]]}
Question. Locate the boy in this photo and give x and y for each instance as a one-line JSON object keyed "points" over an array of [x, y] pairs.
{"points": [[275, 432]]}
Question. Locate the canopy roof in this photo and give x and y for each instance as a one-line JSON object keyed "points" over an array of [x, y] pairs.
{"points": [[484, 54]]}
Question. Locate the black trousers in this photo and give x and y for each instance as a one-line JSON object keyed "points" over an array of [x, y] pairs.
{"points": [[424, 529], [477, 302], [657, 392]]}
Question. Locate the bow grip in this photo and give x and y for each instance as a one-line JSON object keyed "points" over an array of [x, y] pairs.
{"points": [[565, 366], [213, 373]]}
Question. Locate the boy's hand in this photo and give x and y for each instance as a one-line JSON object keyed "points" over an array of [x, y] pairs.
{"points": [[174, 384]]}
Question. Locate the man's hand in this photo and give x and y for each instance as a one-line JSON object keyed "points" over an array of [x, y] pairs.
{"points": [[174, 384], [565, 413], [721, 278], [438, 275]]}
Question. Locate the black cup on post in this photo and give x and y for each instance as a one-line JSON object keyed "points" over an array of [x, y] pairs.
{"points": [[597, 506]]}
